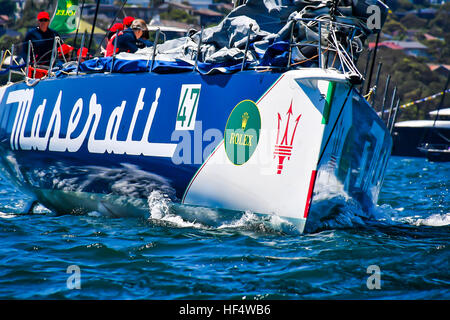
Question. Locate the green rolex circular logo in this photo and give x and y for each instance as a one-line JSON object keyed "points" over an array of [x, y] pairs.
{"points": [[242, 132]]}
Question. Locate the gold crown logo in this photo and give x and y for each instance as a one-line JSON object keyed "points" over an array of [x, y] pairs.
{"points": [[245, 117]]}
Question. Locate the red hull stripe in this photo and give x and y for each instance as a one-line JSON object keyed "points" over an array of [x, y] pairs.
{"points": [[310, 192]]}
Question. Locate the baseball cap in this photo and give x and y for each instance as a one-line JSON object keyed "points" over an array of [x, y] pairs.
{"points": [[43, 15], [65, 49], [139, 24], [116, 27], [127, 21]]}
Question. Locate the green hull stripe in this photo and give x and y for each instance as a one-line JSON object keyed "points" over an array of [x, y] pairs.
{"points": [[328, 102]]}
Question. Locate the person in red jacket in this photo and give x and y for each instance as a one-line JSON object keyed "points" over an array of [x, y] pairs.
{"points": [[117, 27]]}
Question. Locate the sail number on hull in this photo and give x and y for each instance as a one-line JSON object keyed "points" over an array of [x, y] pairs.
{"points": [[187, 107]]}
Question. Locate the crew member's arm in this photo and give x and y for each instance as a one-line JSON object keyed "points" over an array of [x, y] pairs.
{"points": [[127, 43]]}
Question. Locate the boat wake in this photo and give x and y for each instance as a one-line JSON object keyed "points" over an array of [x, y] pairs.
{"points": [[435, 220], [337, 212], [164, 212]]}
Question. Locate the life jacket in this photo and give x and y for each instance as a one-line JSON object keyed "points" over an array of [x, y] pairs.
{"points": [[110, 46], [37, 72]]}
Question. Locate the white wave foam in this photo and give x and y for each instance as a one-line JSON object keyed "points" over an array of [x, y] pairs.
{"points": [[160, 208], [6, 215], [435, 220], [163, 211], [95, 214], [387, 214], [261, 223]]}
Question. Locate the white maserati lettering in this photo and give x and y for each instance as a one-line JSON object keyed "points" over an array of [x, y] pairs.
{"points": [[72, 143]]}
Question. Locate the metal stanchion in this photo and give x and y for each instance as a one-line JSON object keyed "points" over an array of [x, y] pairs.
{"points": [[10, 63], [320, 46], [361, 88], [386, 89], [291, 34], [53, 56], [198, 49], [246, 46], [155, 44], [392, 106], [376, 83], [81, 52], [114, 52], [395, 115], [28, 59]]}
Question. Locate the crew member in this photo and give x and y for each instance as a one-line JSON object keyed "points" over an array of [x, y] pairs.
{"points": [[127, 40], [84, 54], [65, 51], [42, 38], [117, 27]]}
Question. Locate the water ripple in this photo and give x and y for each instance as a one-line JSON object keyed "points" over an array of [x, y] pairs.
{"points": [[243, 256]]}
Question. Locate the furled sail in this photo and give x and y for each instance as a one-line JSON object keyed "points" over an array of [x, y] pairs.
{"points": [[265, 22]]}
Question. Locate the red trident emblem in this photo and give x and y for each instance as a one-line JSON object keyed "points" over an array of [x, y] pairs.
{"points": [[283, 149]]}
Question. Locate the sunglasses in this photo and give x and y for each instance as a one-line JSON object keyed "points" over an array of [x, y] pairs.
{"points": [[43, 20]]}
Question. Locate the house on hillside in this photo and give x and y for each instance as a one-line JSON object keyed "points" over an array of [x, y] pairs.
{"points": [[208, 16], [443, 69], [111, 11], [175, 5], [430, 37], [425, 13], [222, 7], [412, 48], [201, 4], [4, 20]]}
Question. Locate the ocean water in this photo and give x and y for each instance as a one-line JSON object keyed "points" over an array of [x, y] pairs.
{"points": [[401, 250]]}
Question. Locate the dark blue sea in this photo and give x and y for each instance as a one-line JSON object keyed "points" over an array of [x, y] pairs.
{"points": [[400, 250]]}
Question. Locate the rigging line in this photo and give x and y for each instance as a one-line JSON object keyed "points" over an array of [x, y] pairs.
{"points": [[4, 57], [429, 98], [373, 61], [78, 27], [112, 23], [346, 60], [442, 136], [93, 24]]}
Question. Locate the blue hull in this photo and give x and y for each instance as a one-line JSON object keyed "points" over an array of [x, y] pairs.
{"points": [[219, 94], [105, 142]]}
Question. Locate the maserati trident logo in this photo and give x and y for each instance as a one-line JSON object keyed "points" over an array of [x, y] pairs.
{"points": [[283, 149]]}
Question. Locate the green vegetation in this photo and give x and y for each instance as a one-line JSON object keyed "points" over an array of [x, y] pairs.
{"points": [[412, 75], [178, 15], [7, 7]]}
